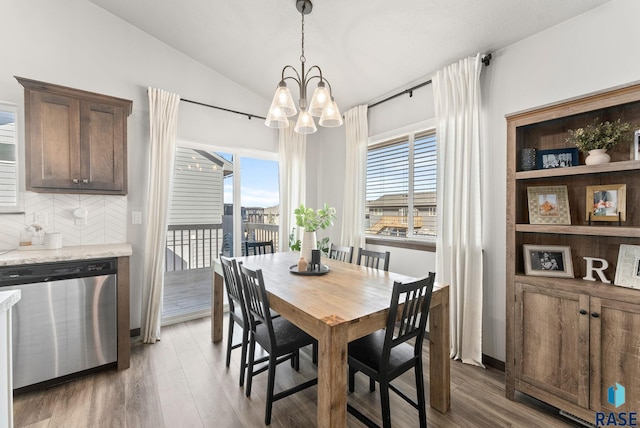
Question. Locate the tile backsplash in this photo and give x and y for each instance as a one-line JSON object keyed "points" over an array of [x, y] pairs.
{"points": [[106, 221]]}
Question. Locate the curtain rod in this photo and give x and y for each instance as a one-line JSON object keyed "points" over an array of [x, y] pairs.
{"points": [[486, 60], [249, 115]]}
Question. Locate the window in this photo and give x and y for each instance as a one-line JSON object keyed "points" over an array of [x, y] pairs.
{"points": [[8, 159], [401, 187]]}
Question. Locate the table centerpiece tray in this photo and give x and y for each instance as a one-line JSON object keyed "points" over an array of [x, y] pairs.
{"points": [[323, 270]]}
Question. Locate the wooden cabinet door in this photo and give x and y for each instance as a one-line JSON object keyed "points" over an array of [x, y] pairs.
{"points": [[615, 353], [103, 146], [53, 135], [552, 343]]}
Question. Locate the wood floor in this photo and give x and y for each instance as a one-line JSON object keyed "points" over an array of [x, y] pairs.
{"points": [[182, 381]]}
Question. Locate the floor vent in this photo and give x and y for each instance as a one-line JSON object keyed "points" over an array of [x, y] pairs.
{"points": [[577, 419]]}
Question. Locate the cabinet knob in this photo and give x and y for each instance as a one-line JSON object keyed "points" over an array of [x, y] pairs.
{"points": [[595, 314], [583, 312], [85, 181], [75, 181]]}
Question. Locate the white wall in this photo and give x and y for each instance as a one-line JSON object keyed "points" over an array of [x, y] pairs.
{"points": [[75, 43], [590, 52]]}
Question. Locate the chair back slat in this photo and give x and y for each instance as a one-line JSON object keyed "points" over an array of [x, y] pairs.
{"points": [[343, 254], [256, 248], [411, 322], [373, 259], [256, 298], [232, 283]]}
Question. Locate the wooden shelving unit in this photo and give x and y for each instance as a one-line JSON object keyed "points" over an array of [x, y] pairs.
{"points": [[568, 338]]}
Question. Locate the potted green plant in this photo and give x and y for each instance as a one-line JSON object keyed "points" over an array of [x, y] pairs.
{"points": [[595, 139], [312, 220]]}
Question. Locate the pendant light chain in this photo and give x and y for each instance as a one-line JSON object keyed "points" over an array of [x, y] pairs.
{"points": [[302, 57]]}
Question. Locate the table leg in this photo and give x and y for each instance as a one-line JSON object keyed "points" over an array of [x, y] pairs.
{"points": [[332, 377], [217, 307], [439, 348]]}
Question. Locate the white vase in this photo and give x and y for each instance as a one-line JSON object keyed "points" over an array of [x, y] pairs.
{"points": [[309, 242], [597, 156]]}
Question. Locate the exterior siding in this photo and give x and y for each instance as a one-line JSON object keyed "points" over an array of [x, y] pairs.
{"points": [[197, 196]]}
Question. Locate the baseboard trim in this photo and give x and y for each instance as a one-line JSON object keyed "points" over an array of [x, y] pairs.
{"points": [[493, 362]]}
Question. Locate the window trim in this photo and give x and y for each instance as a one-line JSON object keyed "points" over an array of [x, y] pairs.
{"points": [[390, 137]]}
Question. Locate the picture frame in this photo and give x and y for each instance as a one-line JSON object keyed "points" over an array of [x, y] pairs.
{"points": [[558, 158], [628, 268], [606, 202], [635, 154], [548, 260], [548, 205]]}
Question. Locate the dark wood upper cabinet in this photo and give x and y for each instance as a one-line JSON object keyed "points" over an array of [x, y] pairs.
{"points": [[76, 141]]}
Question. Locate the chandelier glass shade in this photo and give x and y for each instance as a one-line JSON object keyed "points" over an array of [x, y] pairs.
{"points": [[322, 103]]}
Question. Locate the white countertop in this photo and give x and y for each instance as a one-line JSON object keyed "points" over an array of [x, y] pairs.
{"points": [[8, 299], [80, 252]]}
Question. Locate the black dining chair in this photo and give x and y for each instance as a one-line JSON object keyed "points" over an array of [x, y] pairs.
{"points": [[385, 354], [372, 259], [237, 312], [343, 254], [280, 338], [264, 247]]}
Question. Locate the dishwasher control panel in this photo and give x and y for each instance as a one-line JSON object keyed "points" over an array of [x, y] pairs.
{"points": [[45, 272]]}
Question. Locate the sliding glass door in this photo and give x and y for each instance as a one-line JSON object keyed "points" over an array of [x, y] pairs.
{"points": [[220, 199]]}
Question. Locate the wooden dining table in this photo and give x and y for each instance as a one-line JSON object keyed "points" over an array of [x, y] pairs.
{"points": [[348, 302]]}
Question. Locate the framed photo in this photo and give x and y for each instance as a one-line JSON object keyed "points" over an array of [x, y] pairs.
{"points": [[635, 155], [628, 269], [607, 202], [548, 205], [548, 260], [558, 158]]}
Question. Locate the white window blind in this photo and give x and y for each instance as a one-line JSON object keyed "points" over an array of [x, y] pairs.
{"points": [[401, 187]]}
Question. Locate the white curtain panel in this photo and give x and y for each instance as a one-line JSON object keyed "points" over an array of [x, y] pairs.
{"points": [[459, 242], [292, 149], [357, 130], [163, 124]]}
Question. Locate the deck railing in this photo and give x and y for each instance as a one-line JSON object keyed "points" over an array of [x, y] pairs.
{"points": [[261, 232], [194, 246]]}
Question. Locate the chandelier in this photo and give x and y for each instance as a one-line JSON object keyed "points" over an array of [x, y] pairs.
{"points": [[322, 103]]}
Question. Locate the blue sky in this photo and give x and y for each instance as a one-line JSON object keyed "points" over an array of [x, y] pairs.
{"points": [[259, 183]]}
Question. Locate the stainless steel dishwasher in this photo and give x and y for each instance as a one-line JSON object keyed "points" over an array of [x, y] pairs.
{"points": [[66, 321]]}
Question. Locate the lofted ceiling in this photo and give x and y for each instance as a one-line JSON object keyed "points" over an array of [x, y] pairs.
{"points": [[366, 48]]}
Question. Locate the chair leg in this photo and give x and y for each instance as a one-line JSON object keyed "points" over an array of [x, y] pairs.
{"points": [[314, 353], [252, 357], [230, 339], [243, 361], [295, 360], [372, 384], [352, 380], [422, 406], [270, 386], [384, 403]]}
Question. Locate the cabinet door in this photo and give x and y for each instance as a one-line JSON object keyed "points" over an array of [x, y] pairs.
{"points": [[615, 353], [552, 342], [103, 150], [53, 141]]}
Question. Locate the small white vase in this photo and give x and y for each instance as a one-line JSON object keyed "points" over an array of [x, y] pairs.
{"points": [[597, 156], [309, 242]]}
